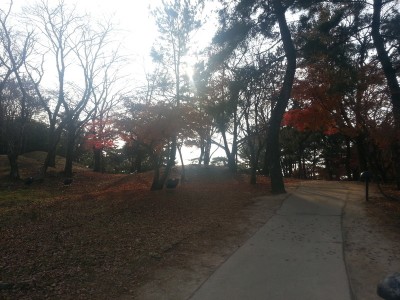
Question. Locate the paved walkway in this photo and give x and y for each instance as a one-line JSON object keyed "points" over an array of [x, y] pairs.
{"points": [[297, 254]]}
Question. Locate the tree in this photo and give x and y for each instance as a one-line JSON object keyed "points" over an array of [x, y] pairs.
{"points": [[224, 91], [81, 52], [99, 137], [203, 124], [341, 87], [176, 21], [387, 59], [152, 127], [247, 19], [105, 100], [16, 113], [16, 101], [98, 63], [277, 184], [57, 27], [251, 107]]}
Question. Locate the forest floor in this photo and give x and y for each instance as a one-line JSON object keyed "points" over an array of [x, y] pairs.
{"points": [[108, 237]]}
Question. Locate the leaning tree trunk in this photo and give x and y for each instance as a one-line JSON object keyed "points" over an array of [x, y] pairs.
{"points": [[277, 184], [183, 172], [391, 78], [230, 155]]}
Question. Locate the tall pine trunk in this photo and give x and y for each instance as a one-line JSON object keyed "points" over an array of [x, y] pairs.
{"points": [[274, 157], [391, 78]]}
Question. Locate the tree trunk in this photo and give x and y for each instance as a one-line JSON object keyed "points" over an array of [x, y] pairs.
{"points": [[14, 144], [69, 154], [253, 162], [349, 171], [230, 155], [97, 156], [207, 151], [138, 162], [164, 176], [183, 173], [361, 151], [170, 164], [14, 170], [300, 174], [391, 78], [265, 169], [277, 184], [328, 168], [155, 186], [253, 175], [50, 160], [202, 151]]}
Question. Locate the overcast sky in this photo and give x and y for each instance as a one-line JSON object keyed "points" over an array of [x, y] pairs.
{"points": [[137, 29]]}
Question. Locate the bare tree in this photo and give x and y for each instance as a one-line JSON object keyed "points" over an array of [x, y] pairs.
{"points": [[105, 101], [79, 51], [95, 63], [14, 97]]}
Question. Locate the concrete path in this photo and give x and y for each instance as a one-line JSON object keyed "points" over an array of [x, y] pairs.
{"points": [[297, 254]]}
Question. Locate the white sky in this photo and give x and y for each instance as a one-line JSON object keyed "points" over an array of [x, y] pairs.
{"points": [[136, 27]]}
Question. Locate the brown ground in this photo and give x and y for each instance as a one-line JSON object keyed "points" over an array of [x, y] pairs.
{"points": [[105, 236], [109, 237], [371, 232]]}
